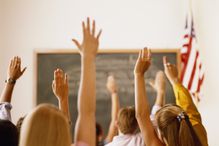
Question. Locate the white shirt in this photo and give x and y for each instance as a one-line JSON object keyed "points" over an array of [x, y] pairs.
{"points": [[5, 111], [127, 140], [133, 139]]}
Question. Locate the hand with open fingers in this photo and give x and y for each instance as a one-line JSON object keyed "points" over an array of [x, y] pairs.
{"points": [[170, 71], [159, 83], [90, 43], [111, 84], [14, 69], [60, 85], [143, 62]]}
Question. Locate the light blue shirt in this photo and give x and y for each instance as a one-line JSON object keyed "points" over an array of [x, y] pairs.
{"points": [[5, 111]]}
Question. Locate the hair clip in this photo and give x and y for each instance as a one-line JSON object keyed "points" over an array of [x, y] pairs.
{"points": [[182, 116]]}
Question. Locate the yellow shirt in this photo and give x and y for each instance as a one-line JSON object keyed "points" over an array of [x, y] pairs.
{"points": [[184, 100]]}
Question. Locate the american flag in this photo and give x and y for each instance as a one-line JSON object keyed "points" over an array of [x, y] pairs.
{"points": [[192, 74]]}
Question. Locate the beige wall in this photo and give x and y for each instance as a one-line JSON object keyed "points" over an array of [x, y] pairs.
{"points": [[207, 27], [31, 24]]}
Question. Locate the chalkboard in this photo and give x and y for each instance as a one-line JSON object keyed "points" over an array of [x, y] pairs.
{"points": [[120, 63]]}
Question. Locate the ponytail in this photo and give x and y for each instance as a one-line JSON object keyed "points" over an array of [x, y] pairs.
{"points": [[176, 127], [187, 135]]}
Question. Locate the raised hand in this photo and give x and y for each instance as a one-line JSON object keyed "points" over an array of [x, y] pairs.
{"points": [[14, 73], [60, 89], [143, 62], [60, 85], [90, 43], [14, 69], [111, 84], [159, 83], [170, 71]]}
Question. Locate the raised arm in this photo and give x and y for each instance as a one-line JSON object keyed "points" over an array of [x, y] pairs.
{"points": [[61, 90], [85, 126], [14, 73], [182, 95], [113, 90], [141, 99], [159, 85]]}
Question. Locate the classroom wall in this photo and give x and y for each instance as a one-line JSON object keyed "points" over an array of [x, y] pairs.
{"points": [[28, 25], [207, 30]]}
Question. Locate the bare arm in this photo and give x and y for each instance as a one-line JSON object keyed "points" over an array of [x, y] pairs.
{"points": [[14, 73], [85, 125], [113, 89], [61, 90], [141, 100], [160, 87]]}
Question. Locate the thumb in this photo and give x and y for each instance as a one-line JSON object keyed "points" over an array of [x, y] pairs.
{"points": [[23, 70], [76, 43], [164, 60], [152, 83]]}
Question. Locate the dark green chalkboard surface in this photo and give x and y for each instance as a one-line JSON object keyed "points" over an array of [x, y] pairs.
{"points": [[120, 63]]}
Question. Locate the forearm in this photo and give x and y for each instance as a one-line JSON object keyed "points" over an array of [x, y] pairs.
{"points": [[7, 93], [64, 107], [141, 103], [87, 89], [113, 130], [115, 106], [160, 98]]}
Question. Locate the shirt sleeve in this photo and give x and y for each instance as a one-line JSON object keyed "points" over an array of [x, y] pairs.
{"points": [[5, 111], [154, 109], [184, 100]]}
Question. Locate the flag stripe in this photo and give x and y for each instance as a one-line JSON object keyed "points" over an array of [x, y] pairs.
{"points": [[192, 74]]}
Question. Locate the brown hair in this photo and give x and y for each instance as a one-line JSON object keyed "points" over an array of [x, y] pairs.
{"points": [[126, 120], [175, 126]]}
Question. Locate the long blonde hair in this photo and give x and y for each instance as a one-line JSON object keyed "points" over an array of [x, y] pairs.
{"points": [[45, 126], [175, 127]]}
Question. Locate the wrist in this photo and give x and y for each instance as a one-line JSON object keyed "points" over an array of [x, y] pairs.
{"points": [[113, 93], [174, 81], [10, 81], [88, 57], [161, 91], [139, 75]]}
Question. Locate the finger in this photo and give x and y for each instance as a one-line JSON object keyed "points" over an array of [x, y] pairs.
{"points": [[23, 70], [149, 54], [152, 83], [98, 35], [55, 75], [18, 60], [66, 79], [146, 52], [139, 54], [11, 63], [88, 24], [84, 28], [77, 43], [53, 85], [142, 54], [164, 60], [93, 28], [15, 61]]}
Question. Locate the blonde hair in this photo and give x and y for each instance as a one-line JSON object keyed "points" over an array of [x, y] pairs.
{"points": [[126, 120], [45, 126], [175, 126]]}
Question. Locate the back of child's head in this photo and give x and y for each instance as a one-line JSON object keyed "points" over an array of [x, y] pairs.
{"points": [[127, 121], [175, 126]]}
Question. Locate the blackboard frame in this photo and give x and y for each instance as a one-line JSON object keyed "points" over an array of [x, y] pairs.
{"points": [[40, 52]]}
